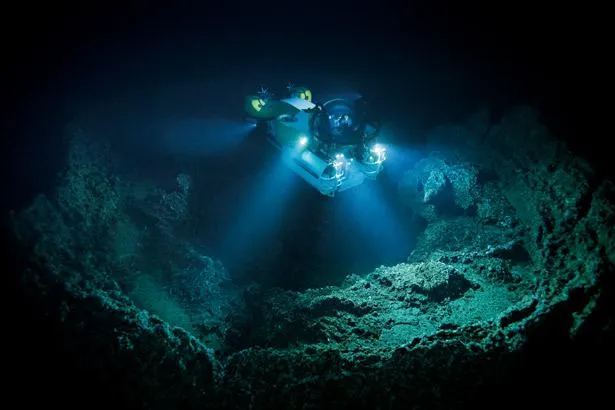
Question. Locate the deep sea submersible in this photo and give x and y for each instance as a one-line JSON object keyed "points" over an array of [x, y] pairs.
{"points": [[332, 145]]}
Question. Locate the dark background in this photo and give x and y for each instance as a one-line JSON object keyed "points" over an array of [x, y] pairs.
{"points": [[422, 62]]}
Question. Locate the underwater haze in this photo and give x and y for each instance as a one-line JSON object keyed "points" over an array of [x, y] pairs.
{"points": [[169, 249]]}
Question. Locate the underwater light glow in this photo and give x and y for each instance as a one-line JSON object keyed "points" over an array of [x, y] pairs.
{"points": [[257, 218], [388, 240], [303, 140], [194, 136], [378, 148]]}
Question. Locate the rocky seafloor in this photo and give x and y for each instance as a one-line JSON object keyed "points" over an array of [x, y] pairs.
{"points": [[504, 302]]}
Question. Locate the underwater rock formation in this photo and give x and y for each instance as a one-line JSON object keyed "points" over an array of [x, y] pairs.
{"points": [[507, 294]]}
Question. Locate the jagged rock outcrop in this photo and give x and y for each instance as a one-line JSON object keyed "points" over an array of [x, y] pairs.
{"points": [[510, 298]]}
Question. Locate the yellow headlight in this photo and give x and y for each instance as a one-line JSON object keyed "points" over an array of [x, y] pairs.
{"points": [[258, 104]]}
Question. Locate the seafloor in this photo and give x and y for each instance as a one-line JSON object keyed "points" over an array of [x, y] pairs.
{"points": [[503, 303]]}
